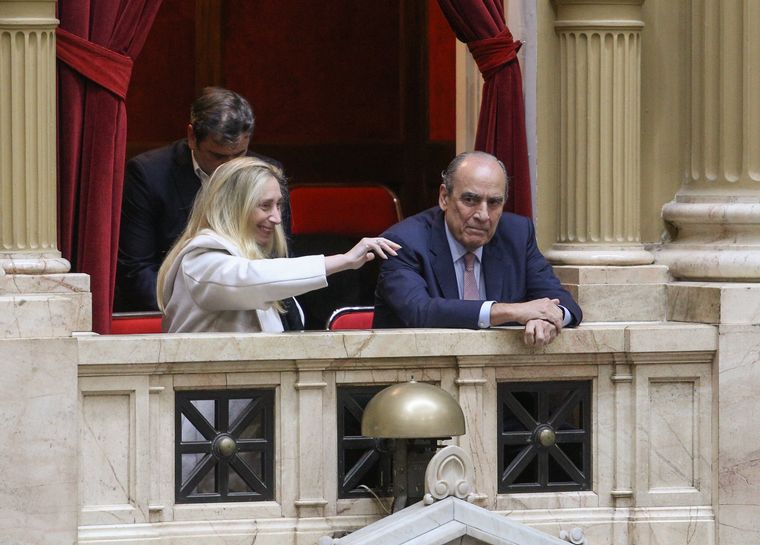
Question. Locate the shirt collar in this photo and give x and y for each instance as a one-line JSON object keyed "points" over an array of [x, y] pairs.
{"points": [[202, 176], [457, 250]]}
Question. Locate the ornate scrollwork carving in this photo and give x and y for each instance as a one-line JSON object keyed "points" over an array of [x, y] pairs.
{"points": [[574, 536], [449, 473]]}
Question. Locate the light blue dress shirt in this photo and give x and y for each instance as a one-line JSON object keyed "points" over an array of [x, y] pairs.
{"points": [[457, 256]]}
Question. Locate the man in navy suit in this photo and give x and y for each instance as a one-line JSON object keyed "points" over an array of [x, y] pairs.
{"points": [[160, 187], [465, 264]]}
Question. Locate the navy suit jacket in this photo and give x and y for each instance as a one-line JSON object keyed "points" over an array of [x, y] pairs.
{"points": [[418, 288], [159, 190]]}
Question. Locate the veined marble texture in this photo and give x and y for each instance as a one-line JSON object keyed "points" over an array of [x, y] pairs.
{"points": [[38, 441], [739, 452], [643, 374], [54, 305]]}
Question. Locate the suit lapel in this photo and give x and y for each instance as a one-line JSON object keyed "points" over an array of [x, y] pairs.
{"points": [[183, 177], [497, 272], [443, 265]]}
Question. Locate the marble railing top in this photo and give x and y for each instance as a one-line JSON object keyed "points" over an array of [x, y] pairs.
{"points": [[326, 349]]}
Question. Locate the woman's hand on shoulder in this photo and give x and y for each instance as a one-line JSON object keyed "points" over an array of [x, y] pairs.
{"points": [[364, 251]]}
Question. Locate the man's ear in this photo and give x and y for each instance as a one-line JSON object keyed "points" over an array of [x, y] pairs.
{"points": [[443, 198], [192, 144]]}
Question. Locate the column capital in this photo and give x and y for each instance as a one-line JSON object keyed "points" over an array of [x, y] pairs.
{"points": [[600, 104], [28, 240], [609, 11], [27, 13]]}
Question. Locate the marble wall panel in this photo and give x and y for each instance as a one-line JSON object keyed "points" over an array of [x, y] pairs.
{"points": [[38, 441], [673, 435], [738, 383], [105, 449], [115, 449]]}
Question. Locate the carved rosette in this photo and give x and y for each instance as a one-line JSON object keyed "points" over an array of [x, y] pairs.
{"points": [[600, 105], [27, 139], [449, 473]]}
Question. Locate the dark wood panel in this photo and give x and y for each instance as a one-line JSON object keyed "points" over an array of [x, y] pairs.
{"points": [[317, 71], [163, 79], [341, 90], [208, 37]]}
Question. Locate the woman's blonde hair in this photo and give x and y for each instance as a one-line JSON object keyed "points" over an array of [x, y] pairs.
{"points": [[224, 204]]}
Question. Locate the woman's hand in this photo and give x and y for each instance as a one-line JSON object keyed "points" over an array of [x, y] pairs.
{"points": [[364, 252]]}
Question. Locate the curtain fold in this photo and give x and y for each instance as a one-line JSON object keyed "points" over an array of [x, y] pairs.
{"points": [[100, 40], [501, 125]]}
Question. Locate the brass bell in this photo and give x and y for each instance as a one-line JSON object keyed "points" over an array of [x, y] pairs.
{"points": [[413, 410]]}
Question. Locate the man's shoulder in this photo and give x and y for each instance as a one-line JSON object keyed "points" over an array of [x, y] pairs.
{"points": [[418, 224], [514, 224], [164, 157], [169, 150]]}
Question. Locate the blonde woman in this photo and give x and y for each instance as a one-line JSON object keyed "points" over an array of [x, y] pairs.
{"points": [[229, 271]]}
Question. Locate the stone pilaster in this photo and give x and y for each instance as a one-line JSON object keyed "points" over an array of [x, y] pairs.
{"points": [[600, 57], [311, 502], [716, 213], [27, 139], [598, 245], [39, 306]]}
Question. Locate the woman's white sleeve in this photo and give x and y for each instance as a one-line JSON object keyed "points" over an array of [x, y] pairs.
{"points": [[218, 281]]}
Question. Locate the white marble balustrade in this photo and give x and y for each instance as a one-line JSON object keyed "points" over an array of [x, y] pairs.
{"points": [[652, 408]]}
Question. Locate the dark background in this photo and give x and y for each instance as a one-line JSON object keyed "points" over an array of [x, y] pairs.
{"points": [[343, 90]]}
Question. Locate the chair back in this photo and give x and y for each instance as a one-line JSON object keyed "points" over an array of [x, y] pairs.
{"points": [[346, 210], [135, 323], [351, 318]]}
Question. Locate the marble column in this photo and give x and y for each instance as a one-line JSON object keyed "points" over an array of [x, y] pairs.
{"points": [[599, 250], [40, 306], [27, 139], [600, 58], [37, 298], [716, 214]]}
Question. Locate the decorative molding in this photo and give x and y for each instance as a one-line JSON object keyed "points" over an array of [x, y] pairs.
{"points": [[449, 473], [311, 502], [617, 494], [310, 385], [470, 381], [574, 536]]}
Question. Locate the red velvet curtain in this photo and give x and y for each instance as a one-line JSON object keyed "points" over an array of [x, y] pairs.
{"points": [[501, 125], [97, 41]]}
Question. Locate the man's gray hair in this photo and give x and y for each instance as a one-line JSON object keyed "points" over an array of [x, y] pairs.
{"points": [[221, 113], [447, 176]]}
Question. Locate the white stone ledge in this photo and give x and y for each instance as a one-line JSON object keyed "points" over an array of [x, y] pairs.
{"points": [[367, 348]]}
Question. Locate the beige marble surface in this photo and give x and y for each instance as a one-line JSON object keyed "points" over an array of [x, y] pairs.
{"points": [[617, 294], [714, 303], [130, 381], [369, 349], [44, 283], [588, 274], [35, 305], [39, 441], [738, 374], [59, 315]]}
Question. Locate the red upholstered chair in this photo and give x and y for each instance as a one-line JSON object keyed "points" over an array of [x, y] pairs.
{"points": [[351, 318], [330, 219], [346, 210], [135, 323]]}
